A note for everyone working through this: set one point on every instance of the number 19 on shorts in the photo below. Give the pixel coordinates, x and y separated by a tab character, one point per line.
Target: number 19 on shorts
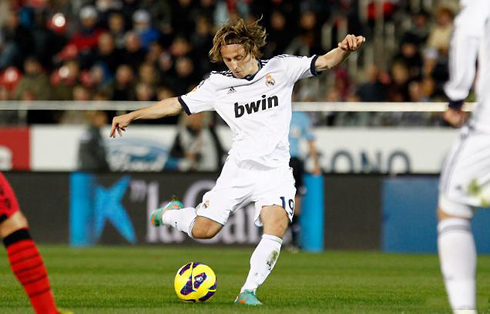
290	206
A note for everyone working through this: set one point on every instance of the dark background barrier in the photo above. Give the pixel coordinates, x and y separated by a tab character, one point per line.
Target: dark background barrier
353	212
368	212
44	198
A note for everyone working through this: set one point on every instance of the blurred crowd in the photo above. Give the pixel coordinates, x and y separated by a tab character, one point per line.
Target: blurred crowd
153	49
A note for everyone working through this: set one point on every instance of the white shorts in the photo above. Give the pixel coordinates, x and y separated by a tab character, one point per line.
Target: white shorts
243	182
465	178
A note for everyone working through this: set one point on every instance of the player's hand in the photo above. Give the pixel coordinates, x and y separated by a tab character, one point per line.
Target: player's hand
120	123
351	42
455	117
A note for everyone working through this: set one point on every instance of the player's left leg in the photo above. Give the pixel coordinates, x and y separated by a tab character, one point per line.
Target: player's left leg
27	264
275	220
457	255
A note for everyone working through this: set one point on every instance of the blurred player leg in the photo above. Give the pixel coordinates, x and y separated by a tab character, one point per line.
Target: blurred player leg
457	254
23	255
460	193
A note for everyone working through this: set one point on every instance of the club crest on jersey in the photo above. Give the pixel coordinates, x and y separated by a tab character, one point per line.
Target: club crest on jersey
256	106
269	81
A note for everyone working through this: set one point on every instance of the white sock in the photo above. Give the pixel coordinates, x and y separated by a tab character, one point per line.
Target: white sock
262	261
182	219
457	254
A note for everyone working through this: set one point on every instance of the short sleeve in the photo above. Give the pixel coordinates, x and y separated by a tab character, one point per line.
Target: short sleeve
298	67
200	99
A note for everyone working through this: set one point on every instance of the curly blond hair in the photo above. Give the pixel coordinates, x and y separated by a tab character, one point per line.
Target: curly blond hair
252	37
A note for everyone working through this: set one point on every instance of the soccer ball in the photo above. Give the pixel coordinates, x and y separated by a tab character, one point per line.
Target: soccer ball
195	282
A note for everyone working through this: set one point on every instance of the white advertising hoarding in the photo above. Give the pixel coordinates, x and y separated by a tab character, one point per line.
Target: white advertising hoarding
342	150
55	148
401	150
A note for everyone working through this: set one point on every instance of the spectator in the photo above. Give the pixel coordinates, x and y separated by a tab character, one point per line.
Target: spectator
436	54
147	74
183	15
202	42
279	34
64	80
411	56
17	42
145	92
98	78
88	35
106	53
133	53
47	43
196	146
153	55
142	26
124	83
398	89
161	14
185	77
34	82
308	42
117	29
92	155
372	90
419	29
164	92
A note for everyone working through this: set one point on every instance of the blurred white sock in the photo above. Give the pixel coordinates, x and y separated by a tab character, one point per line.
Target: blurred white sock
182	219
262	261
457	254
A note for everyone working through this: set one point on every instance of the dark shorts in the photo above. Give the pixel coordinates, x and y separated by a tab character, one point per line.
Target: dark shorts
298	173
8	201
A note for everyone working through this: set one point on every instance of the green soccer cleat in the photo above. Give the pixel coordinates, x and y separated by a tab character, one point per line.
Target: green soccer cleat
156	215
247	297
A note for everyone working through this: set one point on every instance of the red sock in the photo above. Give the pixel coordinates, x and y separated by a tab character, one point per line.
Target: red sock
28	267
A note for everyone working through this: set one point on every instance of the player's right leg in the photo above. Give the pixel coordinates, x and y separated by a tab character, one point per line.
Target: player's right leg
186	220
156	217
209	217
25	260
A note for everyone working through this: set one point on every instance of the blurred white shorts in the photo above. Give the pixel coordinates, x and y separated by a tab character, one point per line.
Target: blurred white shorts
465	178
243	182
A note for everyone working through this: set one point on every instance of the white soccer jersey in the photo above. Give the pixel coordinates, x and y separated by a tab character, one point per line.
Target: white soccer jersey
258	109
471	40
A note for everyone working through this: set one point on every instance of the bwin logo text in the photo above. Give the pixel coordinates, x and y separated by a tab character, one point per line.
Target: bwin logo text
255	106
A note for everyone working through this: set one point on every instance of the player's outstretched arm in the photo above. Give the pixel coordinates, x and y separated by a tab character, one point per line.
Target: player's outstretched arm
164	108
336	56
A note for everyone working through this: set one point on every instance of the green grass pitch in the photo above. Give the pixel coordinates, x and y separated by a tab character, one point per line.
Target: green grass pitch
140	280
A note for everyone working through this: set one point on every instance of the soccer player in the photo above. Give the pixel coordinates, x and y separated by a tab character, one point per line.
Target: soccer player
25	260
465	178
254	98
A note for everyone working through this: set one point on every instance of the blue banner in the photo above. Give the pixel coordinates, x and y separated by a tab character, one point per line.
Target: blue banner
312	214
410	220
92	206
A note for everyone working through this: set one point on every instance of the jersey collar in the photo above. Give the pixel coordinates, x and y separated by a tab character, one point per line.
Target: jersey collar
251	77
